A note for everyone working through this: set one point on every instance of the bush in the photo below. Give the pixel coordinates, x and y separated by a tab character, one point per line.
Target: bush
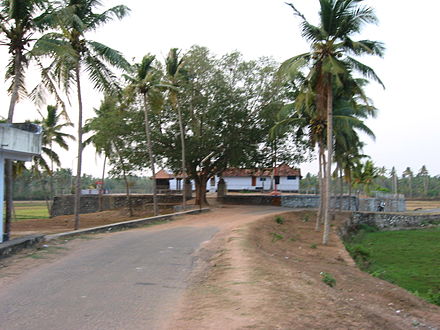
279	219
434	297
276	237
328	279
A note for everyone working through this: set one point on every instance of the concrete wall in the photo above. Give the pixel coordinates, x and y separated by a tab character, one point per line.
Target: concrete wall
63	205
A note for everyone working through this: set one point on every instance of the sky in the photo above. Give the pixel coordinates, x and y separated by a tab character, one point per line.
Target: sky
407	126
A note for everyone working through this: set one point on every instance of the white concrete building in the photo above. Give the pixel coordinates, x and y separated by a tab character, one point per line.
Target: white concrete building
17	142
282	178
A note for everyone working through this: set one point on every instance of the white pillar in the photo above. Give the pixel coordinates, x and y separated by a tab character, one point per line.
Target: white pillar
2	191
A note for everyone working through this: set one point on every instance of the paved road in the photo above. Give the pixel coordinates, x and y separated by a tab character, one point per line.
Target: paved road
126	280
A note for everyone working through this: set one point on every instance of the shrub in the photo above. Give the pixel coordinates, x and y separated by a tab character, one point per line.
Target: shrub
328	279
279	219
276	237
434	297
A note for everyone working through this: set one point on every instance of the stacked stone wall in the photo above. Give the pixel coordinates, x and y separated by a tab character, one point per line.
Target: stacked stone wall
64	205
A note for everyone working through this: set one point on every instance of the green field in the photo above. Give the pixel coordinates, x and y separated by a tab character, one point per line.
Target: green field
30	210
409	259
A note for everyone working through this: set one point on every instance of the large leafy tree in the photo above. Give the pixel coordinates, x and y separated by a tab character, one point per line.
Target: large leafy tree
222	104
74	19
330	63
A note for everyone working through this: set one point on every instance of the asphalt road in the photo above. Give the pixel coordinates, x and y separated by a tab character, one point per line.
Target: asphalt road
126	280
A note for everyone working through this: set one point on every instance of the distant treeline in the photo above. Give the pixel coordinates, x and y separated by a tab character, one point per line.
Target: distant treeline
420	185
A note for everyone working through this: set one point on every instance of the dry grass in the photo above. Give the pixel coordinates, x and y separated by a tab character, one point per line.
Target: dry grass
423	205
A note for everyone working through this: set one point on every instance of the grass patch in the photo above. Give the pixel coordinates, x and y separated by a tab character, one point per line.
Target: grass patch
30	210
407	258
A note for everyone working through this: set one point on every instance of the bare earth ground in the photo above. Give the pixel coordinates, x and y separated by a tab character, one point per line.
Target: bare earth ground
64	223
251	280
247	277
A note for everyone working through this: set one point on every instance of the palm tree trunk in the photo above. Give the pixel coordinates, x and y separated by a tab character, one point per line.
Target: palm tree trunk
320	182
9	180
151	154
326	234
80	148
51	185
182	141
349	193
100	201
341	192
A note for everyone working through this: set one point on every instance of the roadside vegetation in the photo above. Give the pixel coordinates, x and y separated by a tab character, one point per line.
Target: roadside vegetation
407	258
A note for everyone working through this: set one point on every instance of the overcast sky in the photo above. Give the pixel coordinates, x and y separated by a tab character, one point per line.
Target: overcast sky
406	129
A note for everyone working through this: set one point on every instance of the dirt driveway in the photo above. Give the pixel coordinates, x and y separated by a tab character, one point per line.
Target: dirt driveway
257	273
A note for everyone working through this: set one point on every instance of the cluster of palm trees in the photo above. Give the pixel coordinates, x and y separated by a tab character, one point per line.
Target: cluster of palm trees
330	103
62	53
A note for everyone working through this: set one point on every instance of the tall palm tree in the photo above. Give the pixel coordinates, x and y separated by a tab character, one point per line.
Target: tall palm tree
425	175
19	20
329	63
145	81
408	173
52	135
175	73
394	178
74	20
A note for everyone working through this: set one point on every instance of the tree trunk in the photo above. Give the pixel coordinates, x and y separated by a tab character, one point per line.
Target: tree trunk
51	185
80	148
201	190
349	194
182	141
127	193
9	179
326	234
101	191
151	154
341	192
319	214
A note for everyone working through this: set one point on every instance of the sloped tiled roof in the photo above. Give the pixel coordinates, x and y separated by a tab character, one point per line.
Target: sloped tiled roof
282	170
162	174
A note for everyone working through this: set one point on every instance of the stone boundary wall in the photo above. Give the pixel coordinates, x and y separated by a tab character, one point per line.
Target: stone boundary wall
349	203
63	205
394	221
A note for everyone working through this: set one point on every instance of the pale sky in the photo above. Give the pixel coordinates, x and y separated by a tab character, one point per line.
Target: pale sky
406	128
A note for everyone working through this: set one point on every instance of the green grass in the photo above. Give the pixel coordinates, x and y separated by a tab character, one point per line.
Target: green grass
409	258
30	210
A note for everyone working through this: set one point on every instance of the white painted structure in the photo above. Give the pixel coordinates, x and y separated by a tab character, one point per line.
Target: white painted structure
247	179
17	142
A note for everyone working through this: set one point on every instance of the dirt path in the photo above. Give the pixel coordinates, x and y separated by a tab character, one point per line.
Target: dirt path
264	275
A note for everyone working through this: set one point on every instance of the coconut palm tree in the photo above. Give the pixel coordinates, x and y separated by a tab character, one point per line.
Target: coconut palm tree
73	20
393	174
145	81
425	175
330	63
19	20
408	173
52	135
175	73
